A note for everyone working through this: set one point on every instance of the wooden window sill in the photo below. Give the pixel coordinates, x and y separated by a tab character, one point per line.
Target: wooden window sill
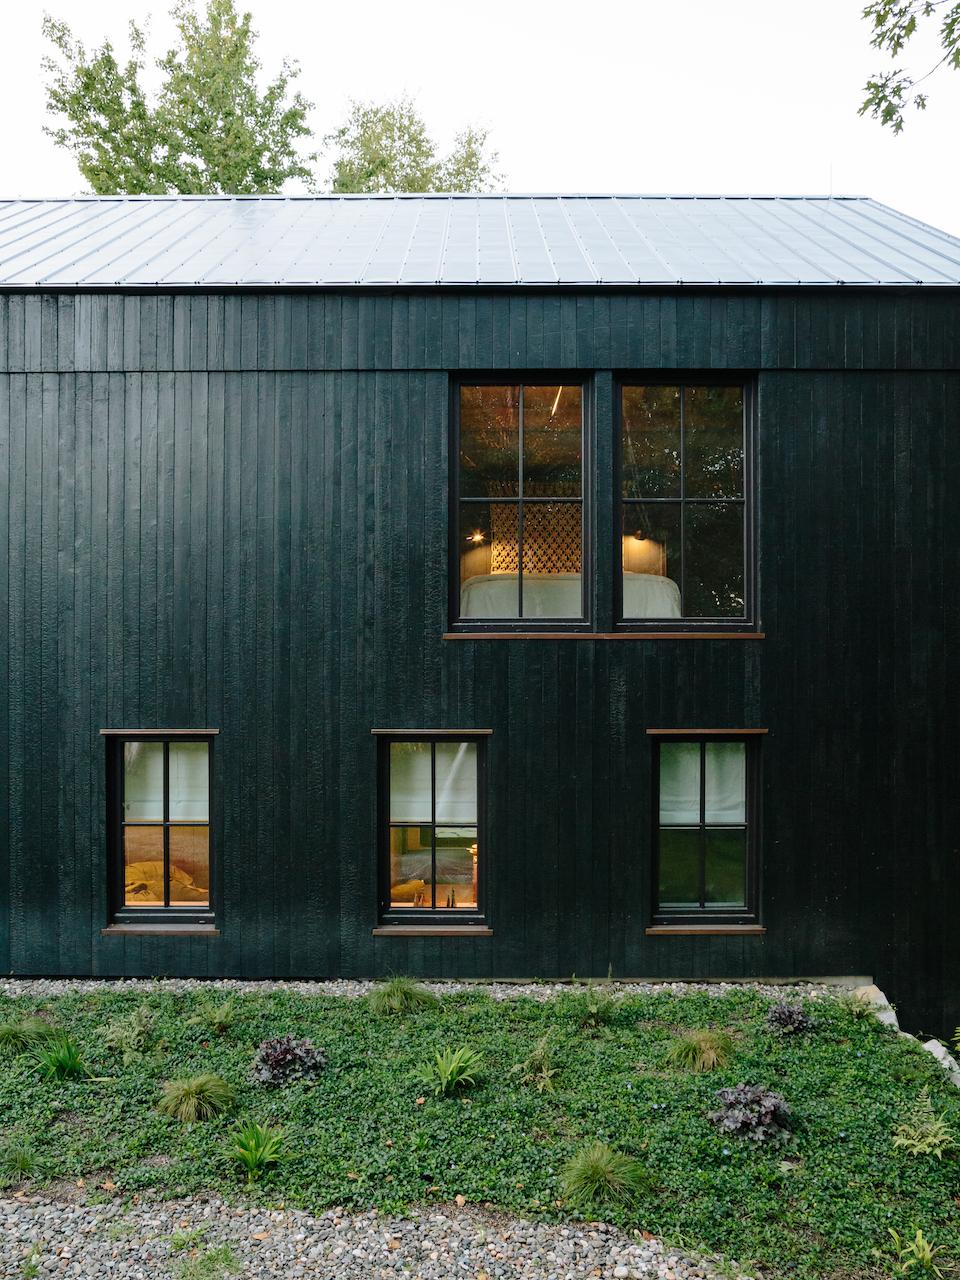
603	635
161	931
432	931
705	930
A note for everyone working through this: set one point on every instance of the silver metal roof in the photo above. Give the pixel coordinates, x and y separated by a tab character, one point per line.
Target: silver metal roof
494	240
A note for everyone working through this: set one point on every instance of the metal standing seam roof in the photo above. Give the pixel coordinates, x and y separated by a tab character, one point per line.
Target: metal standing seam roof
462	240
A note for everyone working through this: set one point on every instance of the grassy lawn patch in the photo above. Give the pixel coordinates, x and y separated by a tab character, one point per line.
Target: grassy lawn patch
359	1126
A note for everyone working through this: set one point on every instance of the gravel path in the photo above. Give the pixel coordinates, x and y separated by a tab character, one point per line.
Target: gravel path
180	1240
46	988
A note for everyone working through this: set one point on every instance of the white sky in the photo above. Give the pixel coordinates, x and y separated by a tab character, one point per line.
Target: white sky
708	96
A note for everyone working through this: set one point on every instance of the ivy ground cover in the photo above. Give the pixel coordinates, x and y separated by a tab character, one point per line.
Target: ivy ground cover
364	1130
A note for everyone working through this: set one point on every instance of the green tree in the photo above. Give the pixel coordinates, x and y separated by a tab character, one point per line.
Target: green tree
209	128
387	148
894	24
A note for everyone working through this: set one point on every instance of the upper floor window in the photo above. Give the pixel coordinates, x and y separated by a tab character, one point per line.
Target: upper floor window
432	828
160	789
519	542
684	478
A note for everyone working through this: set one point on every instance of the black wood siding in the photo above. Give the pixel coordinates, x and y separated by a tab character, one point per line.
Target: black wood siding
230	511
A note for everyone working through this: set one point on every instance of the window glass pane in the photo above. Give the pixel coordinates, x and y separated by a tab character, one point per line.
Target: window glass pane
713	565
713	448
411	798
456	867
726	862
456	781
679	868
143	781
651	442
143	865
552	442
189	866
411	862
680	782
651	560
489	560
489	442
725	782
552	553
189	781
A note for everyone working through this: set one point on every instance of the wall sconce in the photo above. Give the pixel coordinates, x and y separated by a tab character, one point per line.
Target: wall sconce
476	537
644	555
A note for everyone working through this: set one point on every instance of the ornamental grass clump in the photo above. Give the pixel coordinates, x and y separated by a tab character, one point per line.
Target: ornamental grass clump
22	1034
788	1019
924	1133
255	1147
285	1060
195	1098
598	1178
700	1050
60	1060
451	1071
18	1160
754	1112
400	996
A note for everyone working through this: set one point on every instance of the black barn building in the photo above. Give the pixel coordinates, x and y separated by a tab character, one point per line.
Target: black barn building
480	587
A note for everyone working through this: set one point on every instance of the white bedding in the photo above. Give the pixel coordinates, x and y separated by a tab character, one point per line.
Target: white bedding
558	595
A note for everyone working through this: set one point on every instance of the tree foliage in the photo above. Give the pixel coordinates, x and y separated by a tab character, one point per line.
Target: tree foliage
894	24
386	148
209	129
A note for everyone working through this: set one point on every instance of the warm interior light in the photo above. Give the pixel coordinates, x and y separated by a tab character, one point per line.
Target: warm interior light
476	536
643	554
553	411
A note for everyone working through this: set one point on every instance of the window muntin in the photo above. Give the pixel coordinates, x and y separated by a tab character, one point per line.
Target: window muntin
433	827
520	523
163	825
683	472
704	829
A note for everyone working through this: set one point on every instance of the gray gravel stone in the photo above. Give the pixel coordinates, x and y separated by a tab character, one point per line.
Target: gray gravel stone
47	988
153	1240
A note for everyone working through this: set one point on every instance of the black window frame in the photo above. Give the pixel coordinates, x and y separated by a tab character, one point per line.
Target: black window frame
749	622
429	917
706	914
521	378
120	912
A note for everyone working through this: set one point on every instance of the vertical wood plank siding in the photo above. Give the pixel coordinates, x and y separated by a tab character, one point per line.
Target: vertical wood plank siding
230	510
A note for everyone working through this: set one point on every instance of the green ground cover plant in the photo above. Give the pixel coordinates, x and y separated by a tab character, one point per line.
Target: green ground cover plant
365	1131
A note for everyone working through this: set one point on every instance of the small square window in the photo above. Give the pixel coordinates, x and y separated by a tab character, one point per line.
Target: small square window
705	829
432	828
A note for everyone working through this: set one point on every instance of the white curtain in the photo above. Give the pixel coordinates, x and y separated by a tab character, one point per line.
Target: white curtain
724	782
143	781
189	782
410	798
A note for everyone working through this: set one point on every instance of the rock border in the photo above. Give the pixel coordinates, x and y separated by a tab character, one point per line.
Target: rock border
884	1011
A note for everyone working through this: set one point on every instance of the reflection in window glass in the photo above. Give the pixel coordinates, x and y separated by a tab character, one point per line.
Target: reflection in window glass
702	843
520	530
433	857
684	511
165	816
